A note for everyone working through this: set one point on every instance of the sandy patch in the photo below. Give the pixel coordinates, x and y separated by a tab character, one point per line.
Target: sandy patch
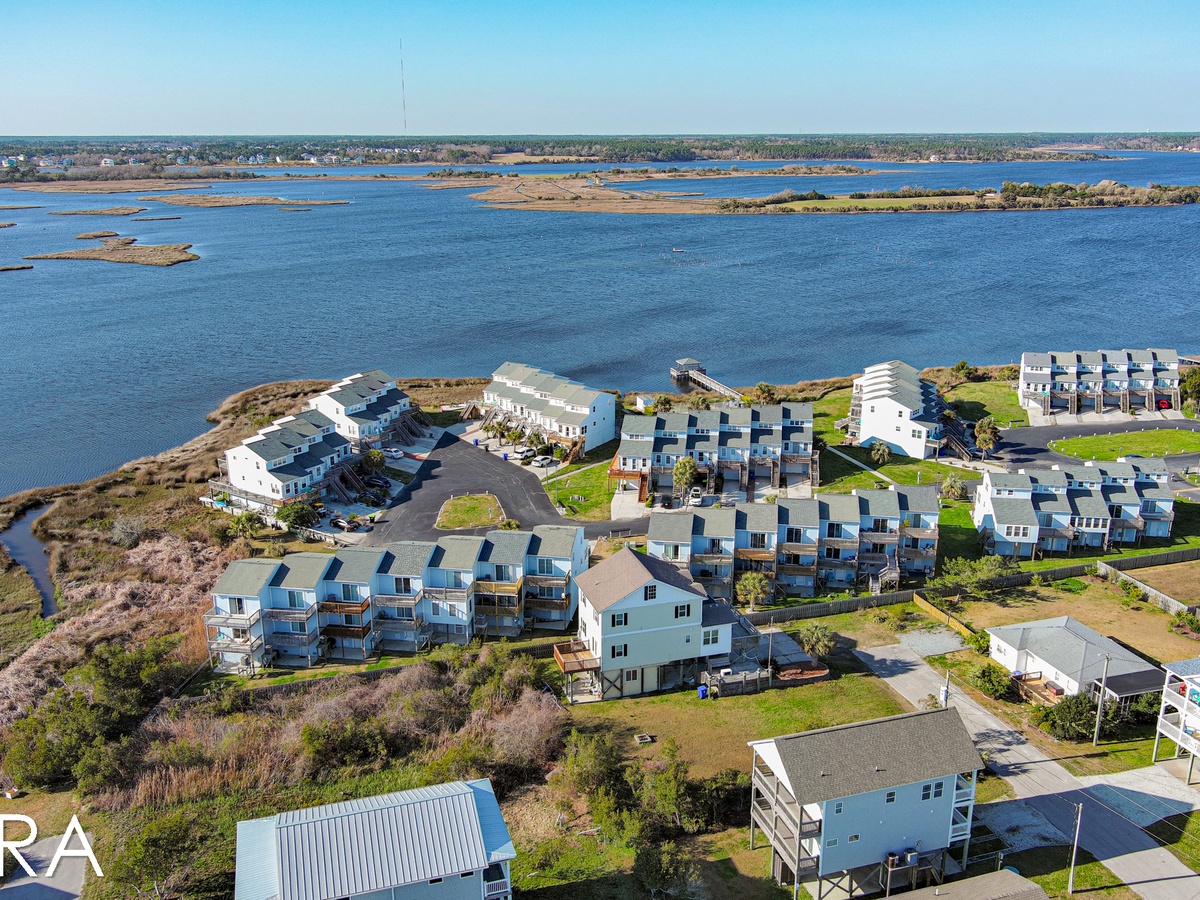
1144	795
95	235
1019	825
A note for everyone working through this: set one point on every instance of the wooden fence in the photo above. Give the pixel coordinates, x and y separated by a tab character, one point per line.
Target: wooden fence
940	615
827	608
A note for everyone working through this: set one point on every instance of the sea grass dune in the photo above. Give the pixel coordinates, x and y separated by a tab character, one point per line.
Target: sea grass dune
127	250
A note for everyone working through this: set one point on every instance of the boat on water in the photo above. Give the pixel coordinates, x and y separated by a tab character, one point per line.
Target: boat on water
677	250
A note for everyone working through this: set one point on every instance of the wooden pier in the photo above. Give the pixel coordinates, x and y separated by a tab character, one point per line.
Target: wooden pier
688	372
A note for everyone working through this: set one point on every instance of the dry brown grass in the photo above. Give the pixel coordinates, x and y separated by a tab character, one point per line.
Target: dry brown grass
1181	580
126	250
110	211
108	187
1101	606
432	393
95	235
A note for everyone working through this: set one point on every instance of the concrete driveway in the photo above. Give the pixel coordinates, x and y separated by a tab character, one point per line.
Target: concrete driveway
454	468
1131	854
67	883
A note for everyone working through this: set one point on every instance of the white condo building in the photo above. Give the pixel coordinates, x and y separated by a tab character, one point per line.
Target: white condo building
890	403
555	407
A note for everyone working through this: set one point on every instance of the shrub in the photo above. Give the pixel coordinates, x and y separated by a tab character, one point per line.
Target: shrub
1132	590
1037	581
127	531
1072	719
990	679
980	642
1184	619
590	762
298	515
332	745
509	525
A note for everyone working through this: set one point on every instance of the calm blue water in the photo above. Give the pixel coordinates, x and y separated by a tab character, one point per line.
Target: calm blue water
103	363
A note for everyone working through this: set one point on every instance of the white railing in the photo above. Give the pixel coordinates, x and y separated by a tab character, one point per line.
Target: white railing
495	888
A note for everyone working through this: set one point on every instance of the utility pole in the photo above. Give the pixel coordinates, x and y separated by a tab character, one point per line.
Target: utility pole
1100	702
1075	849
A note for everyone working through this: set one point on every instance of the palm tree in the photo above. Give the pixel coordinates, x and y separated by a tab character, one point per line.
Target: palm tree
764	392
987	434
816	639
881	453
752	588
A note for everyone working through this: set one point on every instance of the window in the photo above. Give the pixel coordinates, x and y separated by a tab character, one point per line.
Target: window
619	650
758	541
465	874
931	791
295	600
650	592
404	586
837	808
852	839
460	629
298	627
435	881
683	610
834	530
890	797
631	675
709	637
435	608
832	842
545	566
619	619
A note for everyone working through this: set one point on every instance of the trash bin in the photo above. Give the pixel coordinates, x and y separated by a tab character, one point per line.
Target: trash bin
476	442
506	456
702	691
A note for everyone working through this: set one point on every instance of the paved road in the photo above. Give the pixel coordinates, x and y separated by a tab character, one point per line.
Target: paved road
455	468
67	882
1028	446
1134	857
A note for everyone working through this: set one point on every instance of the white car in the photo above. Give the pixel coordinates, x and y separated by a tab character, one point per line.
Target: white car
393	453
544	461
695	496
524	453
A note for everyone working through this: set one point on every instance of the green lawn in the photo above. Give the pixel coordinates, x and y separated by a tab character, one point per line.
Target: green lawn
975	399
901	469
1181	835
470	511
712	734
957	537
1142	443
1050	868
827	411
592	486
602	454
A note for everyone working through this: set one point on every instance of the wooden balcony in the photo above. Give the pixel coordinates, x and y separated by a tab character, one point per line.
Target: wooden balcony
825	562
879	537
919	552
397	600
291	638
449	594
290	614
221	644
558	603
928	533
218	619
841	543
550	581
760	555
874	559
786	570
498	606
405	626
347	631
575	656
484	587
335	604
800	548
712	559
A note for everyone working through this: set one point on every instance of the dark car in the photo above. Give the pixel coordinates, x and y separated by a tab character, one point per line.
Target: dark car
371	498
343	524
377	482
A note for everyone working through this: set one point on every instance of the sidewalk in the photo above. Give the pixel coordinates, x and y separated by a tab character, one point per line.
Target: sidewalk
1133	856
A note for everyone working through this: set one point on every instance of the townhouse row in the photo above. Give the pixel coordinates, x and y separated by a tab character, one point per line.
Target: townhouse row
743	445
550	406
348	605
1095	380
868	538
293	458
1057	510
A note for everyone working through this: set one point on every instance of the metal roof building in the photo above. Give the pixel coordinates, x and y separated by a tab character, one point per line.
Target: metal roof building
379	844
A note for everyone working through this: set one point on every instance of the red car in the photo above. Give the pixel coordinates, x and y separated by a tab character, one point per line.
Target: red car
1164	404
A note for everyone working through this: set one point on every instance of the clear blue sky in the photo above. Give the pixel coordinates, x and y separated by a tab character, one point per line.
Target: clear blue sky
568	67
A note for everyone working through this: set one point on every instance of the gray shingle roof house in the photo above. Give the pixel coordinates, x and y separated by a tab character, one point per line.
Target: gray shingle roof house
446	841
1064	651
835	803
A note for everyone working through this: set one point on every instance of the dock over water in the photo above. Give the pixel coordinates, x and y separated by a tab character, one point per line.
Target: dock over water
688	371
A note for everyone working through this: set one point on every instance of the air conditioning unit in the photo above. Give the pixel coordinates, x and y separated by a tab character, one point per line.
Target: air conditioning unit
910	857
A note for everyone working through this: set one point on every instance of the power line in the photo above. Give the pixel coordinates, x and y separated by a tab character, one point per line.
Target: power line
403	97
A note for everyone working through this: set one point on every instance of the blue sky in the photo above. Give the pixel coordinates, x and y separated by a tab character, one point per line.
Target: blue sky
806	66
